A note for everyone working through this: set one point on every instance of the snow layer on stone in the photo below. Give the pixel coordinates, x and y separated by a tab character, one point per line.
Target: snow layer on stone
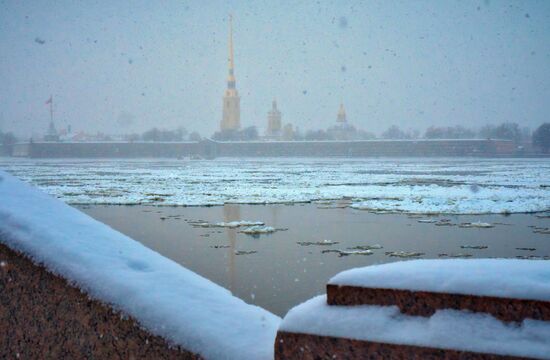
447	329
511	278
163	296
457	186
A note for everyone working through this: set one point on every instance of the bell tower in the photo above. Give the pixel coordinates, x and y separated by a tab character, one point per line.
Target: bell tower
274	125
231	115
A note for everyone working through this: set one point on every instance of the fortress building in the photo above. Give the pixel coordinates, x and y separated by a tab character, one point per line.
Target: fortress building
274	125
231	118
342	130
51	134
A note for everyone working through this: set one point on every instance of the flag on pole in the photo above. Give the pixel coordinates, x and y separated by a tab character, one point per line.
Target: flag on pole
49	100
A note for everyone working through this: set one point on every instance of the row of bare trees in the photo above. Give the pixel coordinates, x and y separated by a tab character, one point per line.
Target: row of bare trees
507	131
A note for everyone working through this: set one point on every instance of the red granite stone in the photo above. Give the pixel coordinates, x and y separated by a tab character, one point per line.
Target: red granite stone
42	316
314	347
424	303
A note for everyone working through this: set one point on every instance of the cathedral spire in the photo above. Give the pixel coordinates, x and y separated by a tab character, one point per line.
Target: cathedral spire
341	117
231	116
231	61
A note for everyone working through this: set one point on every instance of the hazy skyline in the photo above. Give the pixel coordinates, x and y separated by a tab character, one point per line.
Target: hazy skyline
122	68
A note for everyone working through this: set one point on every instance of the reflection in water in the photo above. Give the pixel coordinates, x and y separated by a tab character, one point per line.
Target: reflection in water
231	213
280	270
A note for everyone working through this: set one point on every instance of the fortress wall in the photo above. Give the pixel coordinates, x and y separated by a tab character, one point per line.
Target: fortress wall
212	149
113	149
369	148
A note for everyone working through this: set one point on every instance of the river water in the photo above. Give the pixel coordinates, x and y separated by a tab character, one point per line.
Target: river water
280	270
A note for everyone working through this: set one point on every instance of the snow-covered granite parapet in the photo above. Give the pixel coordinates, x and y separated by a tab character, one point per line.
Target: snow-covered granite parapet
164	297
506	278
446	329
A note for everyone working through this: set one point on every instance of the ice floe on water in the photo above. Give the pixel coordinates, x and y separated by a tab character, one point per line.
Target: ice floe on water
414	186
367	247
347	252
355	250
245	252
254	228
482	225
317	243
476	247
404	254
235	224
427	221
457	256
258	230
539	230
230	224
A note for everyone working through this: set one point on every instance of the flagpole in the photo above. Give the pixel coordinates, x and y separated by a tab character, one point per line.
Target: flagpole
51	108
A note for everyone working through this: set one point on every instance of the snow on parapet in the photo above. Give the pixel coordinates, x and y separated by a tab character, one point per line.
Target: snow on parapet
164	297
509	278
446	329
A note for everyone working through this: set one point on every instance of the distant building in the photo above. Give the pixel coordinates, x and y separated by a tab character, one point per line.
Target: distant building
51	134
231	117
288	132
274	124
342	130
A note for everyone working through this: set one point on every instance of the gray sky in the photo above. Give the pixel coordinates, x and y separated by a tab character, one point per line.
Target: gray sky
123	68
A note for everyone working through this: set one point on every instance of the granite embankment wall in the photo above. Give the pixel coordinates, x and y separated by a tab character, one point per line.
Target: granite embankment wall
212	149
367	148
42	316
107	149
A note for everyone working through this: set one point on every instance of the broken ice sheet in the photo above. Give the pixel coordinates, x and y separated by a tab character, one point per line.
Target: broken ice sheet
387	187
459	255
404	254
241	223
366	247
444	224
230	224
481	225
258	230
245	252
319	243
347	252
